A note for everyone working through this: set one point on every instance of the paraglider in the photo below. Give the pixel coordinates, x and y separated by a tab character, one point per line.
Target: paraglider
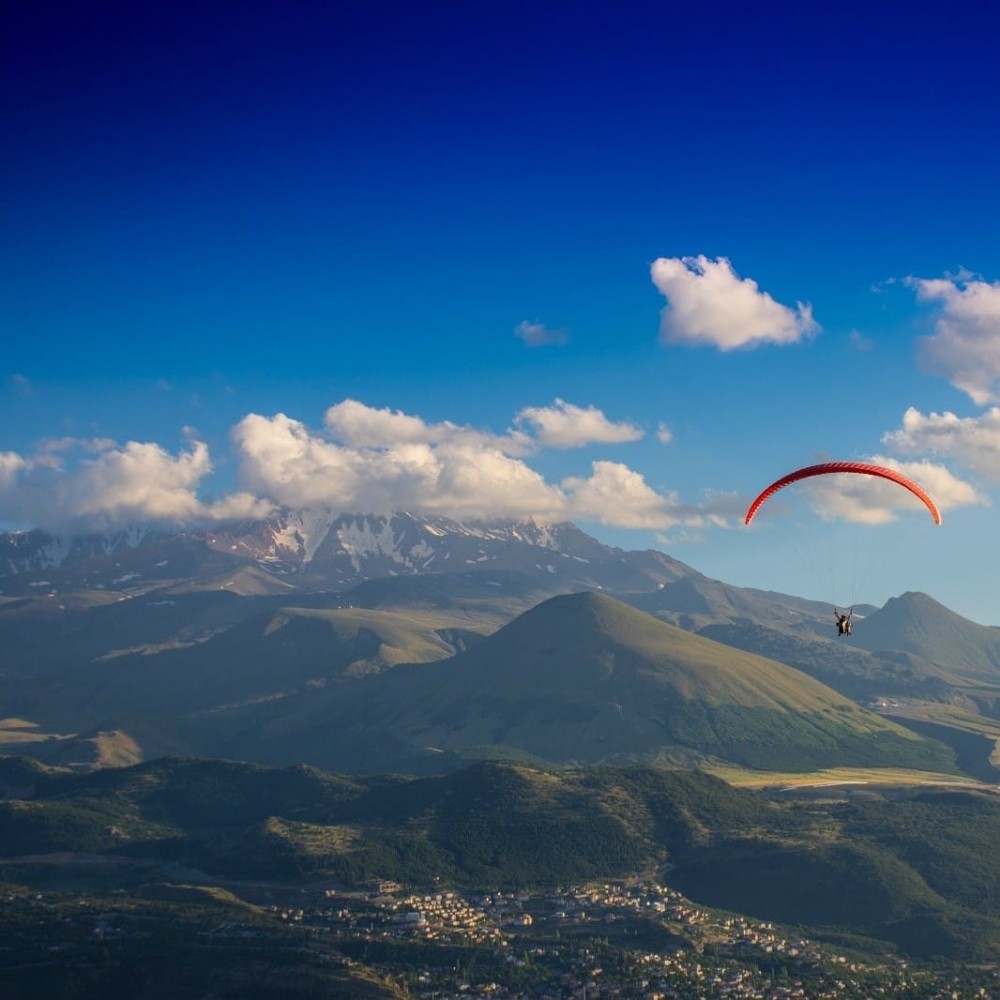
843	621
864	468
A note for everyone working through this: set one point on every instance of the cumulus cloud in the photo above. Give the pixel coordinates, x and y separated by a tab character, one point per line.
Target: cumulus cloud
282	459
366	426
664	434
870	500
563	425
615	494
362	459
361	426
96	484
381	460
539	335
965	346
972	442
709	304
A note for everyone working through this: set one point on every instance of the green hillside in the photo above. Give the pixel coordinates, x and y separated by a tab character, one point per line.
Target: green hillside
585	678
962	650
268	655
915	869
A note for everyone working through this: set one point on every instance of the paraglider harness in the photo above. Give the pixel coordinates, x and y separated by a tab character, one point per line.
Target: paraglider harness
843	621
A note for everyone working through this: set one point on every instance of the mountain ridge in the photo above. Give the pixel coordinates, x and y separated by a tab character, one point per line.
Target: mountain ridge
340	549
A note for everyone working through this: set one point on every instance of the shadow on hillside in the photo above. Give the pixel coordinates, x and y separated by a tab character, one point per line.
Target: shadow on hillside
971	749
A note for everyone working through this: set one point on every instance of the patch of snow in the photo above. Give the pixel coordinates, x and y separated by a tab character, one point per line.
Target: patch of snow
54	552
126	577
40	583
303	532
135	534
162	562
359	538
544	537
421	550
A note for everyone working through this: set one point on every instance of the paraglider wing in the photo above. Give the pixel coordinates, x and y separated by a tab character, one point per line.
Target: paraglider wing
863	468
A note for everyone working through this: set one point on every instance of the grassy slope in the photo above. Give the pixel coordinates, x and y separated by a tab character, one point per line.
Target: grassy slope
261	657
584	677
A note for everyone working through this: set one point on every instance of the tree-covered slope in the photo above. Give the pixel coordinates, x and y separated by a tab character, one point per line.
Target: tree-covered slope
917	870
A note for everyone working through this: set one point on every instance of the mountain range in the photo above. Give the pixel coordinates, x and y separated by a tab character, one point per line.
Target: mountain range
361	642
321	548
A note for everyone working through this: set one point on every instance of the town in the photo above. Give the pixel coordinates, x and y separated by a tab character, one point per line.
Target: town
624	940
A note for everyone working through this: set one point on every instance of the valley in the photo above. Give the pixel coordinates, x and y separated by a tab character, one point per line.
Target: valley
537	718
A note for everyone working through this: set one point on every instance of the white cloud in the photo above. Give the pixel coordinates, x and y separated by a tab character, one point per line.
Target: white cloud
12	466
973	442
563	425
615	494
461	475
361	426
93	445
664	434
709	304
965	346
871	500
364	459
539	335
91	485
393	461
281	459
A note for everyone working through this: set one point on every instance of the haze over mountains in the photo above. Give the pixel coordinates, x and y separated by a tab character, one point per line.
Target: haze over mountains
362	643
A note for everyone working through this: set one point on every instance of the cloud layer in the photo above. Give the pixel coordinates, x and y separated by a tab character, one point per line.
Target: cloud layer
380	460
965	346
76	483
710	305
363	459
973	442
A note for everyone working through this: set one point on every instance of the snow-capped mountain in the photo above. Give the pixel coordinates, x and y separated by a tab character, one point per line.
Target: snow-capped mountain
316	548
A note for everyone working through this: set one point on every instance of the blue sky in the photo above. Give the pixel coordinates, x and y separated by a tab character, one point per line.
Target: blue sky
625	264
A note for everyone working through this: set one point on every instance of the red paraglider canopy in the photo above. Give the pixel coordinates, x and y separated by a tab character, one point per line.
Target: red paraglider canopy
858	467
